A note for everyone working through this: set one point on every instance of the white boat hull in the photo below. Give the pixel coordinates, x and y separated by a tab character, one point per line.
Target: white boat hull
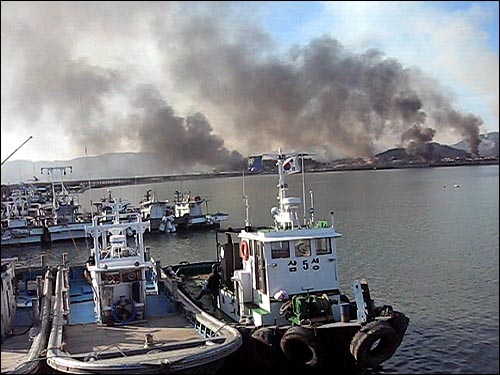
20	236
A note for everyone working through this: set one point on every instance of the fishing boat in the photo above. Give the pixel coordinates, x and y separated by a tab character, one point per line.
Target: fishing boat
26	308
280	287
153	210
188	212
112	315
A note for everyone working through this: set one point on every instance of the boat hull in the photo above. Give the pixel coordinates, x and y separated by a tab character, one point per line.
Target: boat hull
186	340
34	235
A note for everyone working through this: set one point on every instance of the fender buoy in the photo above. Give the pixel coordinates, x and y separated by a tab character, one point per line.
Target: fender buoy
374	343
123	312
244	250
299	344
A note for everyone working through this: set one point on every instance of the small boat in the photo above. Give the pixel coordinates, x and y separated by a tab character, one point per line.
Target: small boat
188	212
113	315
26	308
280	287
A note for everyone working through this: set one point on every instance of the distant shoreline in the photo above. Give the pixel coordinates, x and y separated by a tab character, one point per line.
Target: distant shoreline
79	186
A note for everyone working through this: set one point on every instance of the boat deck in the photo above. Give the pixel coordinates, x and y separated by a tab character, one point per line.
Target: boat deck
82	339
193	286
84	336
15	349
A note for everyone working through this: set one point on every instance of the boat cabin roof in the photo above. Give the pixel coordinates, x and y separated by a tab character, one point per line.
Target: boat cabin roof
272	235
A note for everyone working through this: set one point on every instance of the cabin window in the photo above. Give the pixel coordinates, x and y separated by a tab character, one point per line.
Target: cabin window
323	246
280	249
303	248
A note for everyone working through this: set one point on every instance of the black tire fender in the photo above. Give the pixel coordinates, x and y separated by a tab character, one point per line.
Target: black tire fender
264	345
399	322
374	343
300	344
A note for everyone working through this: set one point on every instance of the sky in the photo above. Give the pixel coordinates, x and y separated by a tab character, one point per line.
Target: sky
209	83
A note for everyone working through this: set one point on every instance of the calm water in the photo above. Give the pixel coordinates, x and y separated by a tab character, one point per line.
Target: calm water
427	248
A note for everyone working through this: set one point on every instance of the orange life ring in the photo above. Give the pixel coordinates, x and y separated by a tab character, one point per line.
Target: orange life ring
244	250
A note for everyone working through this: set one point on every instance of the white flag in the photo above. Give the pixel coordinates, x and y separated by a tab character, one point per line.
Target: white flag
291	165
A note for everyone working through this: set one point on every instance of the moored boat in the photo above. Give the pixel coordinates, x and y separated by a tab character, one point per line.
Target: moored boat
188	213
26	308
153	210
280	287
113	315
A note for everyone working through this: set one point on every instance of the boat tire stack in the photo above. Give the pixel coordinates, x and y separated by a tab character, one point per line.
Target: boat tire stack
300	344
374	343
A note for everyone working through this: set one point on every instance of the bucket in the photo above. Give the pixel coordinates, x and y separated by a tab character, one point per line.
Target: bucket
344	312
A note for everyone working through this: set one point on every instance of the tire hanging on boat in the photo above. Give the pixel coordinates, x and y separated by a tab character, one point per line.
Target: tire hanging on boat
399	322
299	344
123	311
265	342
374	343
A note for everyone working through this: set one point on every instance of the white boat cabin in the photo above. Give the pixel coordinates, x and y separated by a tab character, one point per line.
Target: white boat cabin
270	266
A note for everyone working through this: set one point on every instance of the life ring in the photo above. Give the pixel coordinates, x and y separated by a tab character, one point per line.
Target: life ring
299	344
374	343
244	250
123	313
131	276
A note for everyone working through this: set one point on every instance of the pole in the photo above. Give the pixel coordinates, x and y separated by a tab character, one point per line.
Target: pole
304	191
8	157
245	198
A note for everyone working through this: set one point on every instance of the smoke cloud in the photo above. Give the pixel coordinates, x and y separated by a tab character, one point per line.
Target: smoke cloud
198	88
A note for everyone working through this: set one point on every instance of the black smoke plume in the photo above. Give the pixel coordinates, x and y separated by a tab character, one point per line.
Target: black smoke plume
246	94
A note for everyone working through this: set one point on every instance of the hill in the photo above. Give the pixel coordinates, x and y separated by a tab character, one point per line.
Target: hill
130	164
487	148
426	153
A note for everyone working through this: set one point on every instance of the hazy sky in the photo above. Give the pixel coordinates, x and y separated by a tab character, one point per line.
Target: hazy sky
210	82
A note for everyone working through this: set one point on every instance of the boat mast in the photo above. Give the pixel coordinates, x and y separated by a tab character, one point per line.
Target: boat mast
282	182
64	192
245	199
304	191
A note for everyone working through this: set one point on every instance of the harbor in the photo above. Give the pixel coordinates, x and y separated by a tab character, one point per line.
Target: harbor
436	247
250	187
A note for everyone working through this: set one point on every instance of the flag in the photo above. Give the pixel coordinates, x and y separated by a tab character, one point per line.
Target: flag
254	164
291	165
